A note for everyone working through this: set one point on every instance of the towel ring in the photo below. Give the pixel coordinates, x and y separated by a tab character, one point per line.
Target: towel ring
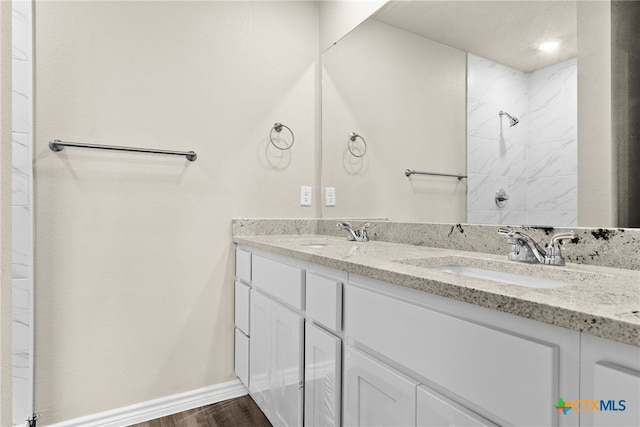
278	128
352	138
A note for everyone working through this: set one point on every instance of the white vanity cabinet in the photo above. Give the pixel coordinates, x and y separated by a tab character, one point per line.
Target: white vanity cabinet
609	375
321	347
490	366
293	337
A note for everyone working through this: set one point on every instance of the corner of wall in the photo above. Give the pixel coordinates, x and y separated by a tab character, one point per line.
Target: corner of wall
337	18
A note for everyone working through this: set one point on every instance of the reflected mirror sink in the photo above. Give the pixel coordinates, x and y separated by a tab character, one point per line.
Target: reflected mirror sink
499	276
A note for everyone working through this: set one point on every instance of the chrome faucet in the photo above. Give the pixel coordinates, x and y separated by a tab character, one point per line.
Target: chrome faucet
525	249
354	234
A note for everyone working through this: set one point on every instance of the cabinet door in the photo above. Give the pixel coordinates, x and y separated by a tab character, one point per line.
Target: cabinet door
376	394
322	382
242	298
241	359
259	351
435	410
610	375
286	366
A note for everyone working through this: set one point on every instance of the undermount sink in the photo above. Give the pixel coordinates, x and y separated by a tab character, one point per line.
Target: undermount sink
315	245
520	274
499	276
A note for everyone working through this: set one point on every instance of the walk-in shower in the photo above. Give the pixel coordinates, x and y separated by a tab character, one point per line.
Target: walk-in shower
512	120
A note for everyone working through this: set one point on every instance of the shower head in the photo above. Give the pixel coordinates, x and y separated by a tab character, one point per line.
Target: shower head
512	120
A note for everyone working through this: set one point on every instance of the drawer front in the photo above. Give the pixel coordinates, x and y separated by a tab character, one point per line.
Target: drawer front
491	368
243	265
242	293
324	300
435	410
241	360
281	281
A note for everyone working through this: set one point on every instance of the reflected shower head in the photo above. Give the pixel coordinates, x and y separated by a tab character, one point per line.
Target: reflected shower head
512	120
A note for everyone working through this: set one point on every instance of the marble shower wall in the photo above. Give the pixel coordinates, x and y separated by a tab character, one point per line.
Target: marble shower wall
535	162
22	211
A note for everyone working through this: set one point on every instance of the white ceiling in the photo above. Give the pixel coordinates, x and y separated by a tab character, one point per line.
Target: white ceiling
507	32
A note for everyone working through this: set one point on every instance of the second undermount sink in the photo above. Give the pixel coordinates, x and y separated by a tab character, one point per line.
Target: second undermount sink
502	277
509	272
315	245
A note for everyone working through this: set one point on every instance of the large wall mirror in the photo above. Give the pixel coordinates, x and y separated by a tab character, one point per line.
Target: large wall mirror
465	88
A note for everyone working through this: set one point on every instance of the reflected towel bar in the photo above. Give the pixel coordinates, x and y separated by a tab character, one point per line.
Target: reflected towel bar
410	172
57	145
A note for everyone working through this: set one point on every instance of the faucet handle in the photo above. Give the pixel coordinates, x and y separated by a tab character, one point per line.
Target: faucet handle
554	254
562	236
505	232
523	247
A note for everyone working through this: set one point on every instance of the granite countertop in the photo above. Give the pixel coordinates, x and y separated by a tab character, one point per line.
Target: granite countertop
600	301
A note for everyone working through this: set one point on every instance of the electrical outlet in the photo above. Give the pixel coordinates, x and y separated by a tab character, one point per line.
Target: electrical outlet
330	196
305	196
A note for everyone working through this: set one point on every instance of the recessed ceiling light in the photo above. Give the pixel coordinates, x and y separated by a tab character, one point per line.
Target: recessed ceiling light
549	46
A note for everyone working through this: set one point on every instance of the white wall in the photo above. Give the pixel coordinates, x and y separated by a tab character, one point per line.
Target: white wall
406	96
134	261
535	161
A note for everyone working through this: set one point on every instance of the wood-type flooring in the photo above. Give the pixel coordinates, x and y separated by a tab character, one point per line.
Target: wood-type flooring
238	412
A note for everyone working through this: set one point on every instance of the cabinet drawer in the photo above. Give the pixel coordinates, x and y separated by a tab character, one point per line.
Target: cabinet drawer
282	281
483	365
324	300
241	360
242	292
243	265
435	410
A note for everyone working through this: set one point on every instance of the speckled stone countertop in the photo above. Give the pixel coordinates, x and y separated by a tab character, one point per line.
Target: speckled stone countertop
597	300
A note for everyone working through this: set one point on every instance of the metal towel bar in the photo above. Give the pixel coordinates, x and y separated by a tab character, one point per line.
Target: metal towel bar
410	172
57	145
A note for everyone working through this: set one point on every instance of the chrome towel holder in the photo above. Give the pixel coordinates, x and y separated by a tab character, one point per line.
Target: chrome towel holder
410	172
352	139
58	145
278	128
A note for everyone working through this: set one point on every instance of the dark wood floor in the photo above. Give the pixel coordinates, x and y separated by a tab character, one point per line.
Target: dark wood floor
241	411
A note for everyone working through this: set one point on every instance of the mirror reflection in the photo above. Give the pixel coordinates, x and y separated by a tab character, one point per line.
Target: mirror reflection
455	88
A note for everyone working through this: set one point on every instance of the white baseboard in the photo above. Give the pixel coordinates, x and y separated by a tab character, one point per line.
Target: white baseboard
161	407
